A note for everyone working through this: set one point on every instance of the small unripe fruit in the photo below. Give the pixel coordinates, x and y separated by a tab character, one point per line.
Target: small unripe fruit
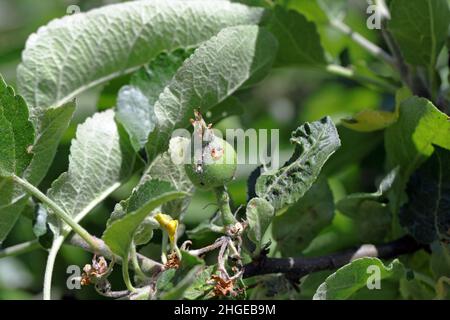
218	166
214	160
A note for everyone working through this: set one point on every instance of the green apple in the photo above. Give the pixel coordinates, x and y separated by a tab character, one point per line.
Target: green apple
216	167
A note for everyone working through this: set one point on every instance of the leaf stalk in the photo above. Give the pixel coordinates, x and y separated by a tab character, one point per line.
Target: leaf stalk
77	228
19	249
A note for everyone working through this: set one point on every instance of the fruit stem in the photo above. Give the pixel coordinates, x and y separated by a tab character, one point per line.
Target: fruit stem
126	274
223	200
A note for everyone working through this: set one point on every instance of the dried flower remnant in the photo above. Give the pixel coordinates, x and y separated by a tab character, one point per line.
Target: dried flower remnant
214	160
225	288
96	272
173	261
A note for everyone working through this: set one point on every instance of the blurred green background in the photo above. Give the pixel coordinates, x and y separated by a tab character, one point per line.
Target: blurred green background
284	100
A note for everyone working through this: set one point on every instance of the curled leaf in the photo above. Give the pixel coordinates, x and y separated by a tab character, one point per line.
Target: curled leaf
370	120
314	143
169	225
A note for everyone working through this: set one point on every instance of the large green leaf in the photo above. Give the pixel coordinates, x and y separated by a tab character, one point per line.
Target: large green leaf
120	233
54	123
16	140
100	159
16	132
12	198
299	42
427	214
135	101
408	142
354	276
314	143
259	216
301	223
77	52
420	28
214	71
